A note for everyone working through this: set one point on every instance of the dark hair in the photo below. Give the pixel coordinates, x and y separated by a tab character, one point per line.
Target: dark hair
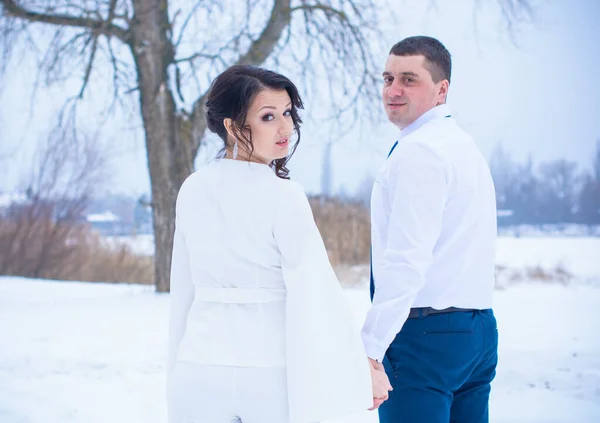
231	95
438	61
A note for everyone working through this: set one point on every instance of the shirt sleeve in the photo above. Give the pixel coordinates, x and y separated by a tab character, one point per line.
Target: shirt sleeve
417	191
181	296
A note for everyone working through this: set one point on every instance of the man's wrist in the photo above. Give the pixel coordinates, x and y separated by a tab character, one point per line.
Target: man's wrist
375	364
373	348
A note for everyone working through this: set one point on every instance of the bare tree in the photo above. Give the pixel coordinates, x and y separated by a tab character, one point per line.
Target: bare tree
38	233
596	163
589	196
504	172
166	52
560	185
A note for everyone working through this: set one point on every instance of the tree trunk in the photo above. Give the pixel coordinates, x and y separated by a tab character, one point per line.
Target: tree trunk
169	156
172	138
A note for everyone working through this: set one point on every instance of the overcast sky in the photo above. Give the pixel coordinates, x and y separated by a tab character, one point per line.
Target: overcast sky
540	97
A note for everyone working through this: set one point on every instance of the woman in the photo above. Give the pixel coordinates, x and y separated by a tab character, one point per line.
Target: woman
259	330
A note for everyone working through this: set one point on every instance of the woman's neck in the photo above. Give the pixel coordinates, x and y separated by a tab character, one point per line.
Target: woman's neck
245	156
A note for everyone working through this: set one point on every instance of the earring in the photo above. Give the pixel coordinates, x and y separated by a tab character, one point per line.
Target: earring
235	149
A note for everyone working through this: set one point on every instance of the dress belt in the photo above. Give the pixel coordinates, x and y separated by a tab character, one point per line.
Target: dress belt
239	295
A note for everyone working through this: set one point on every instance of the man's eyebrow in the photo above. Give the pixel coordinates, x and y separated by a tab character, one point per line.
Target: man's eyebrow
408	73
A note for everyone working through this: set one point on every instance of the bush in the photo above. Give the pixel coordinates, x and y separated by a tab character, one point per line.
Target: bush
345	228
37	246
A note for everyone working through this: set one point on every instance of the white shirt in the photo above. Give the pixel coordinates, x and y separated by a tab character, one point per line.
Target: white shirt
433	228
252	286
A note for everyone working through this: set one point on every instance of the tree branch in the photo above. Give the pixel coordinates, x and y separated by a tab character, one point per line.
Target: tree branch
88	70
342	42
112	10
258	51
99	26
185	24
263	46
198	56
329	11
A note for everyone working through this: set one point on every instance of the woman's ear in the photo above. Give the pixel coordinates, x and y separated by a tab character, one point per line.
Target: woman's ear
228	123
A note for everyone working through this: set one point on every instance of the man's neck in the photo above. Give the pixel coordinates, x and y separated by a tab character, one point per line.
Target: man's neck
435	112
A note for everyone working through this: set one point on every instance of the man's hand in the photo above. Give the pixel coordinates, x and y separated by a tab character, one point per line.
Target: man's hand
381	384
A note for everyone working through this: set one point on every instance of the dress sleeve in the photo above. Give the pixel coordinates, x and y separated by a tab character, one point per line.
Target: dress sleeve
181	296
327	367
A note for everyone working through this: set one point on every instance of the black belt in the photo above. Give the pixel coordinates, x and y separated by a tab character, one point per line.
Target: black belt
418	312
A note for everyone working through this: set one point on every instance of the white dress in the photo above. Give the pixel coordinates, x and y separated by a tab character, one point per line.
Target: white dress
252	287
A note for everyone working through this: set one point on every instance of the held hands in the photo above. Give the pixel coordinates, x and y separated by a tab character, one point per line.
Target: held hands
381	384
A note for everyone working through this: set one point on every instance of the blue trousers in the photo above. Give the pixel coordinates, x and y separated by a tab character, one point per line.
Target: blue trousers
441	367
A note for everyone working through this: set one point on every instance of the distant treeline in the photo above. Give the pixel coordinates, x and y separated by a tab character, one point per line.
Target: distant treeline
552	192
557	191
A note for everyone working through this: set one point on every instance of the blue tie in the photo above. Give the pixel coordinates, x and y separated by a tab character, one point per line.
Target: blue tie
392	150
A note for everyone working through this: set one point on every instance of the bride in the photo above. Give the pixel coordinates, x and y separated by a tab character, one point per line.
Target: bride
259	330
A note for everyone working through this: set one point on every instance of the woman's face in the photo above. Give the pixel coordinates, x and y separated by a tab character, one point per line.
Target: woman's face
270	121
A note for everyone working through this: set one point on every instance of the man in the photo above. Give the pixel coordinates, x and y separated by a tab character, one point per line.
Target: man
433	217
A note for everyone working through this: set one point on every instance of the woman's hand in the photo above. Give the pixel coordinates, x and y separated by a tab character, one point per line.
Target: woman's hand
381	383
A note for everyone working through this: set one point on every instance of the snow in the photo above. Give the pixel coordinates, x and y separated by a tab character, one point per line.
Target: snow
75	352
106	216
6	199
545	230
579	256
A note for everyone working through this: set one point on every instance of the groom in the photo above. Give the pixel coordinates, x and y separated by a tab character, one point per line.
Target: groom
433	217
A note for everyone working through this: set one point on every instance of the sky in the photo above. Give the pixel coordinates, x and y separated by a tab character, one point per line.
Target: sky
537	95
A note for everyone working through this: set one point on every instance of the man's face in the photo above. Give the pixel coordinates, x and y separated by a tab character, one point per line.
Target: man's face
409	90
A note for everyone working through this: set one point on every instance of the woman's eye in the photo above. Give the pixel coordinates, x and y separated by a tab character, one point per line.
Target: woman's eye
287	113
268	117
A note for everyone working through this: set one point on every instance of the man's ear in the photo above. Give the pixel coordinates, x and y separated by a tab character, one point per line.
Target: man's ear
443	93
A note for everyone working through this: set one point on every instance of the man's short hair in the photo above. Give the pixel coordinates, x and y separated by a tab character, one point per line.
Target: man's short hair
437	57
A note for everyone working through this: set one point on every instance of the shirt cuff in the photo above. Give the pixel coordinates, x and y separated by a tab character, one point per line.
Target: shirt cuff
374	349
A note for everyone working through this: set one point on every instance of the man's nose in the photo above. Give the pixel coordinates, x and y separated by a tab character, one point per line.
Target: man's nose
395	90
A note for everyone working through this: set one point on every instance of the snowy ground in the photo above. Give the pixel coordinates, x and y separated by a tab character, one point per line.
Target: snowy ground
94	353
579	256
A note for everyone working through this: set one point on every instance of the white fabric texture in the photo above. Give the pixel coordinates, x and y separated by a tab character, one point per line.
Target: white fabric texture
252	286
433	228
226	394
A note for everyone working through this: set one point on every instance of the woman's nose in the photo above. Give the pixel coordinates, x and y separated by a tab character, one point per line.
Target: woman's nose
285	129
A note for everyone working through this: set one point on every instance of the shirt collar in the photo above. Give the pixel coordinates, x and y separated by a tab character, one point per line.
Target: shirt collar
440	111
